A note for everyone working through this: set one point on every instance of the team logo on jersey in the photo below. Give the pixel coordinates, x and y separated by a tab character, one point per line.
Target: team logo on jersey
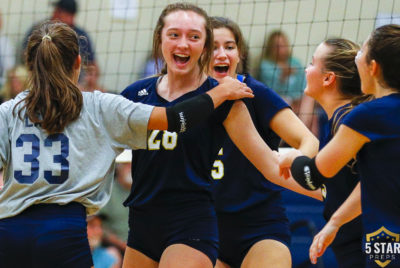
143	92
382	246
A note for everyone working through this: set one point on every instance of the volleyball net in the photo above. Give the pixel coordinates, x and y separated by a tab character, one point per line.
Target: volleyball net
121	30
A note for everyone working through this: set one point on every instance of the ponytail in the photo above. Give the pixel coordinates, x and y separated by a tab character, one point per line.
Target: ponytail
54	100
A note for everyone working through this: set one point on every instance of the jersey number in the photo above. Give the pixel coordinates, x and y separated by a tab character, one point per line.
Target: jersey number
168	140
217	172
33	158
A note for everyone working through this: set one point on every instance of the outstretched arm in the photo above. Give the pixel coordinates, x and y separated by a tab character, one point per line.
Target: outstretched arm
290	128
190	112
312	173
243	133
349	210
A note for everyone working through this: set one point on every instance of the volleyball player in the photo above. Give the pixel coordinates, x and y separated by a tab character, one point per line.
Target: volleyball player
172	218
333	81
253	226
58	147
370	132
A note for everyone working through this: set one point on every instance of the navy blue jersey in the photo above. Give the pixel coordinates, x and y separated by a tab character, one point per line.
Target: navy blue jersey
340	188
239	185
379	162
175	168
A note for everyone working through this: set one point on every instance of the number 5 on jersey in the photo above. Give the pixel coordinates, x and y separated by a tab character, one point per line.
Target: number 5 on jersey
217	172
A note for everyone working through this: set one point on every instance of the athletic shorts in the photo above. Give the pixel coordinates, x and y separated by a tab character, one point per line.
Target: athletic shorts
238	232
350	254
47	235
151	231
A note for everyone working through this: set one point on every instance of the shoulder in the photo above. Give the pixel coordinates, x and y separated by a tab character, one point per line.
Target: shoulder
7	108
140	88
378	109
254	84
359	113
377	118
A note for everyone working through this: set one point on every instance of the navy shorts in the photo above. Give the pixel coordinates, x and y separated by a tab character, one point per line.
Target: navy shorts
152	230
47	235
238	232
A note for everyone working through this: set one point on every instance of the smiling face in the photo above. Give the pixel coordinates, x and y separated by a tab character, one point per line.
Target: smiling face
182	41
226	54
314	72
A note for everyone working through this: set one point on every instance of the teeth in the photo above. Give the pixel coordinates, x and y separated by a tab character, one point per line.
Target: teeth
221	65
181	55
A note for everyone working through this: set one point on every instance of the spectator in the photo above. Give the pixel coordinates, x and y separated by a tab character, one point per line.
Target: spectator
279	70
102	257
15	83
91	80
65	11
7	55
285	74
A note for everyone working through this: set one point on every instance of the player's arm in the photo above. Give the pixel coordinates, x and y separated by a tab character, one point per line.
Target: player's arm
292	130
185	114
349	210
311	173
243	133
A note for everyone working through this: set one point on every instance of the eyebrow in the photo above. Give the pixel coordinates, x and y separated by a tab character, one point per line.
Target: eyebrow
178	29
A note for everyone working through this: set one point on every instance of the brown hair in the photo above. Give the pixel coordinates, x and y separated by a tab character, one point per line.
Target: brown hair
221	22
269	52
383	47
340	60
206	57
53	100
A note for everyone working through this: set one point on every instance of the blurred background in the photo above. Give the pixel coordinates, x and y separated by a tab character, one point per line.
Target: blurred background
116	53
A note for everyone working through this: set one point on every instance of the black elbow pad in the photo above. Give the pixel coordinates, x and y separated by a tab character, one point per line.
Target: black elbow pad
189	113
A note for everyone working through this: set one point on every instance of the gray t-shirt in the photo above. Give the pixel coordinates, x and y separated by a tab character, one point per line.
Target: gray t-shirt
75	165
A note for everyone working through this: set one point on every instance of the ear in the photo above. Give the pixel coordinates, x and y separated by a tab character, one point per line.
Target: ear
329	79
374	68
78	61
